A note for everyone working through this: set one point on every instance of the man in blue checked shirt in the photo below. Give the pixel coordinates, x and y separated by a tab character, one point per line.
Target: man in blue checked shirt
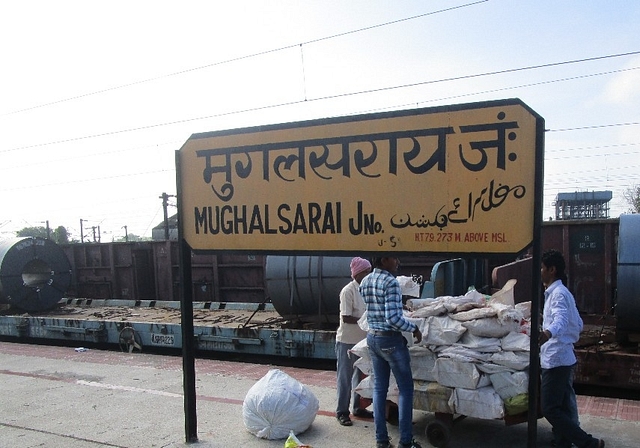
388	348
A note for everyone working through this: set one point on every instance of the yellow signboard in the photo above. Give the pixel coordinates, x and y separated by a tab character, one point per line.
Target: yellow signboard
452	179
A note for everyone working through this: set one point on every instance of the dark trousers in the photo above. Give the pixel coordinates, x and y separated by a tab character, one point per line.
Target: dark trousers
560	409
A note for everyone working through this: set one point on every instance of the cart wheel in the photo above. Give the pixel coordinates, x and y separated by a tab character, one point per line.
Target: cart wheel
438	433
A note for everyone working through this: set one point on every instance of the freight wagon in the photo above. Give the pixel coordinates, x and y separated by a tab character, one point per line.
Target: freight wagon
125	293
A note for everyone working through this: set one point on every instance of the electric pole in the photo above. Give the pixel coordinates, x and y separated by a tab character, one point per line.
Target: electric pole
165	203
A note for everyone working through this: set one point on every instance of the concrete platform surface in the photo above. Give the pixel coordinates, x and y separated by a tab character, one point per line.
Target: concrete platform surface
60	397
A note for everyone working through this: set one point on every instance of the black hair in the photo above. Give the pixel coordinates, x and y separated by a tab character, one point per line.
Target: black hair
555	258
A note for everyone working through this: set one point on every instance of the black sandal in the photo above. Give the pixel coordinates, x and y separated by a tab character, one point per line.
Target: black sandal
344	420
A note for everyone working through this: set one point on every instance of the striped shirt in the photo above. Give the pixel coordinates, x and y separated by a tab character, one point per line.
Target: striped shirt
383	297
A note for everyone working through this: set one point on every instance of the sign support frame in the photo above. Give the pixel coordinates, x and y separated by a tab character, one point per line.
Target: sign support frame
186	318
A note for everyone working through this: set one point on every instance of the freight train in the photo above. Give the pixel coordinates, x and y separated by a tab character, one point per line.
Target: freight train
126	293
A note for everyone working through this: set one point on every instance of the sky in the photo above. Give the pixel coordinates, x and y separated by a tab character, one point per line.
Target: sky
95	97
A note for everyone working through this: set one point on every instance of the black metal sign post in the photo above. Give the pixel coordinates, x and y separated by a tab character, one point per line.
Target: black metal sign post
186	315
534	354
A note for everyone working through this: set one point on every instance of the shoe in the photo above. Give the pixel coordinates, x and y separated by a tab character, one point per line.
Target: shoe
412	444
363	413
386	444
344	420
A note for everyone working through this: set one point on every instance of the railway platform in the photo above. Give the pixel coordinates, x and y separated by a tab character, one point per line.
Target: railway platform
55	396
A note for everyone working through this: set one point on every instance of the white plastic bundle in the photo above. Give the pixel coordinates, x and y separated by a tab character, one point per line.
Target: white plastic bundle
512	360
423	361
490	327
278	404
441	331
516	342
480	403
509	384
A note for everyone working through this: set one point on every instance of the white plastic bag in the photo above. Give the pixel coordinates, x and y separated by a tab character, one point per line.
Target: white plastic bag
490	327
509	385
479	403
362	322
441	331
408	286
278	404
516	342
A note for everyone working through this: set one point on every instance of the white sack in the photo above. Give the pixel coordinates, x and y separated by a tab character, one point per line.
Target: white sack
490	327
505	295
489	368
516	342
485	345
361	349
482	403
508	314
432	397
278	404
423	362
472	299
476	313
464	354
509	385
434	308
484	381
513	360
365	389
408	286
416	304
525	309
362	322
453	373
364	365
441	331
419	322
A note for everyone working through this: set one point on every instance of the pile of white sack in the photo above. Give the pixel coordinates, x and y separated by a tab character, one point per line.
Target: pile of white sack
473	358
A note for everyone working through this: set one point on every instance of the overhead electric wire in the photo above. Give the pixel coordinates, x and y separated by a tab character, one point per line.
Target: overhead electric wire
249	56
501	89
598	126
327	97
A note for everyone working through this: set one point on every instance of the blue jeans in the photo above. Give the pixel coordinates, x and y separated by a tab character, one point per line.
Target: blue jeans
348	378
390	354
560	408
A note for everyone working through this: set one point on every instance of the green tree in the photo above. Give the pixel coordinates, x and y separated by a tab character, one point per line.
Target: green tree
60	234
632	196
132	237
38	232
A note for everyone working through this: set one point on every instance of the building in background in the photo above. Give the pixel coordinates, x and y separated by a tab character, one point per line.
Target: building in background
583	205
170	227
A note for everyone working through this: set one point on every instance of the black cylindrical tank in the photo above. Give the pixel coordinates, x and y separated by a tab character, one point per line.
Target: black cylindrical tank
628	296
306	285
34	273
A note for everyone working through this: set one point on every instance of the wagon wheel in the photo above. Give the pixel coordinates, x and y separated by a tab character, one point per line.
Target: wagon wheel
129	340
438	433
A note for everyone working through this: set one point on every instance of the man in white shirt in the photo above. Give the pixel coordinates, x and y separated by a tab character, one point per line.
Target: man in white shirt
349	334
561	327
